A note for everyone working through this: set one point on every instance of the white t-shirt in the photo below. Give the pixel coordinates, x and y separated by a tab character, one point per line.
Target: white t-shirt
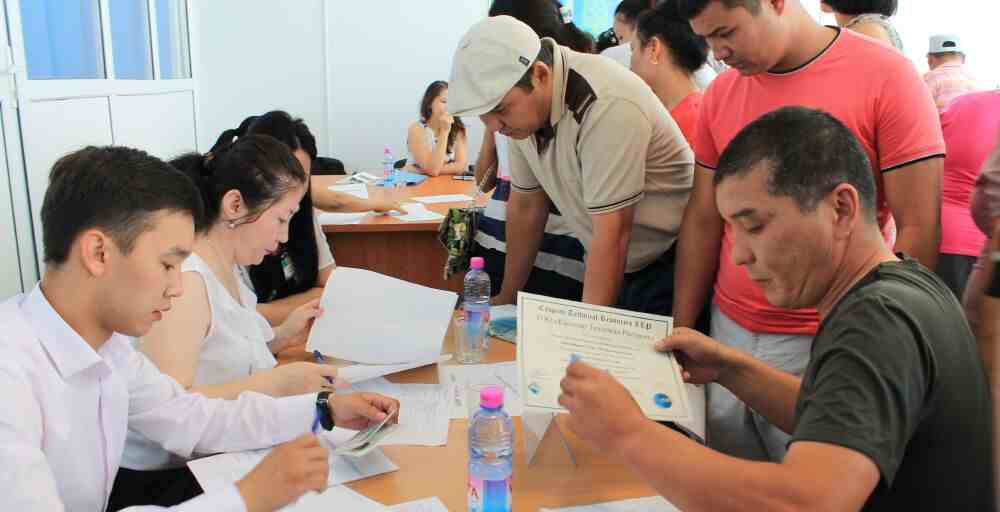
235	347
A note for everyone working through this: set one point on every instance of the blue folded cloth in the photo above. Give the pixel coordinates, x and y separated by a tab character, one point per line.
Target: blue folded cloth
503	323
412	178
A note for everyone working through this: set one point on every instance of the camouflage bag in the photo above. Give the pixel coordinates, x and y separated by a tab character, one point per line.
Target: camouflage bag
457	233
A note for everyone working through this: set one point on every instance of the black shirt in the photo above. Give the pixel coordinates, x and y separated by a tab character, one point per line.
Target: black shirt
895	375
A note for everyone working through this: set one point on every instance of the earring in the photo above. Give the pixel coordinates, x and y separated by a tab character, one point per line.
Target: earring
232	225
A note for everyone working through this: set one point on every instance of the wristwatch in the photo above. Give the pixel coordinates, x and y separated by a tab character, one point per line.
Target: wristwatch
323	410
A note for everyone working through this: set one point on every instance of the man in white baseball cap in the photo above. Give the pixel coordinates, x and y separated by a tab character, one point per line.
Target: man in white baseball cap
592	140
947	78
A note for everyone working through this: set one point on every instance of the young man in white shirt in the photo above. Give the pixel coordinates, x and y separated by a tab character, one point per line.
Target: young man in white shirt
117	223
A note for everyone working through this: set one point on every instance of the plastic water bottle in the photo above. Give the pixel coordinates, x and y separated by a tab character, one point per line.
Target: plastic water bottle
491	450
388	164
476	300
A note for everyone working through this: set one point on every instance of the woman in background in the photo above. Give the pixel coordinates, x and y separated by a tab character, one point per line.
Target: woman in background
868	17
437	142
297	272
666	54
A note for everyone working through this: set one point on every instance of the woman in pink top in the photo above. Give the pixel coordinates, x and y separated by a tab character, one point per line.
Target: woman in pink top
970	125
666	53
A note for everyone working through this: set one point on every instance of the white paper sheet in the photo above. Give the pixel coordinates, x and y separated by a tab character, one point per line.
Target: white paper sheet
355	189
446	198
459	377
337	497
651	504
551	332
375	319
333	218
417	212
221	470
424	412
363	372
425	505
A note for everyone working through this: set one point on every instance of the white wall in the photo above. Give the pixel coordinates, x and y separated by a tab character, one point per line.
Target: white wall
259	55
381	66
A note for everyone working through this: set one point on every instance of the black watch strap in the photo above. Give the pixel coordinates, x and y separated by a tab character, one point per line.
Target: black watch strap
323	410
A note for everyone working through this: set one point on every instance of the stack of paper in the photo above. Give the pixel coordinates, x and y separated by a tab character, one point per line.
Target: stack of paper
424	505
651	504
416	212
218	471
337	497
424	412
362	372
355	189
460	378
374	319
447	198
332	218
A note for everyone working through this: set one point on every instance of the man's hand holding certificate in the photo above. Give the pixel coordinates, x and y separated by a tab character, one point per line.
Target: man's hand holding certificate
552	333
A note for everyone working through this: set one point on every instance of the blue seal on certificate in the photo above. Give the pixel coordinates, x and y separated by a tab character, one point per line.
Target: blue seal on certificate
662	400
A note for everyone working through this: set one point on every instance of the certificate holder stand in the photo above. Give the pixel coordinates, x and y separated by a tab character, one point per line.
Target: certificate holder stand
535	424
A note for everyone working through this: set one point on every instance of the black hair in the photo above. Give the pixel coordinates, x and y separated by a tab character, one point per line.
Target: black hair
631	9
689	50
268	277
114	189
544	18
858	7
260	167
606	39
689	9
431	94
546	56
807	152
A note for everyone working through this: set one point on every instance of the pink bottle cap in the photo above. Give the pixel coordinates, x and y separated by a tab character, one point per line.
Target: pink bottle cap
491	397
477	263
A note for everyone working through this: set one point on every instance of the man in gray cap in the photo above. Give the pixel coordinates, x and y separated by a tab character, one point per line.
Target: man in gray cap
592	140
947	78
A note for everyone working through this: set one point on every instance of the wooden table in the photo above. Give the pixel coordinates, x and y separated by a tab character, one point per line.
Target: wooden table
550	481
406	250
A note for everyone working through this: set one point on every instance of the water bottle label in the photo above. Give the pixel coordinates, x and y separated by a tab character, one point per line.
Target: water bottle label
489	495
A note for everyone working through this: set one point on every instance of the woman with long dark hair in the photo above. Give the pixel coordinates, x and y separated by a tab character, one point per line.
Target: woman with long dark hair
437	141
213	341
297	272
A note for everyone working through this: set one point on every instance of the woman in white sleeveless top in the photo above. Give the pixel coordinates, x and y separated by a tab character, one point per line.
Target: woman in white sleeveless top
436	143
213	341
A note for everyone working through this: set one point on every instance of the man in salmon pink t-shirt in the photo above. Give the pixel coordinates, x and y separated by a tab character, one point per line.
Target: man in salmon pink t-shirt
779	56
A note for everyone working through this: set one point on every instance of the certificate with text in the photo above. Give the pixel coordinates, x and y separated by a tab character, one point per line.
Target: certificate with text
551	331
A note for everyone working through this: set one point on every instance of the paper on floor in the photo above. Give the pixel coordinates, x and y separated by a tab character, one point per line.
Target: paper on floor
375	319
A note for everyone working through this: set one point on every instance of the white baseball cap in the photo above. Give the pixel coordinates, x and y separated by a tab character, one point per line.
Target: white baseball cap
944	43
492	56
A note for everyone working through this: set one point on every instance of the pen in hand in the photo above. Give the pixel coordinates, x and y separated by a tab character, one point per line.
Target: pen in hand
321	360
